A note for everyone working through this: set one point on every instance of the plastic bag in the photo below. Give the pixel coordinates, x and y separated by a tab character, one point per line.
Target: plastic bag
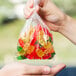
35	40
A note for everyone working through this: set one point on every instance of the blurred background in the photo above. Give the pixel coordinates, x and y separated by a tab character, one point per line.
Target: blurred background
12	21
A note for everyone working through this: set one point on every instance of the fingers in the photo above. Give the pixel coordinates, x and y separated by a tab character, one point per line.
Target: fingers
57	68
37	70
29	9
41	70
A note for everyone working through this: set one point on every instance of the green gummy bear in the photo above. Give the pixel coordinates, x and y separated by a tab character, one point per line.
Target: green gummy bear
21	57
19	48
50	40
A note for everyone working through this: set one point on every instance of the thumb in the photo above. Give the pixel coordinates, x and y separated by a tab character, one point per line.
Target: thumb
57	68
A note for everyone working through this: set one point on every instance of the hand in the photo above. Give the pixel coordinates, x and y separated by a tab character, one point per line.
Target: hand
22	69
50	14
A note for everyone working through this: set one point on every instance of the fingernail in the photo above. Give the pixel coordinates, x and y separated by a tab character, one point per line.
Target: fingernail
46	70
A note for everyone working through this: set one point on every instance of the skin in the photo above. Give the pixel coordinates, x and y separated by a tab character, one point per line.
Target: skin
53	17
22	69
57	21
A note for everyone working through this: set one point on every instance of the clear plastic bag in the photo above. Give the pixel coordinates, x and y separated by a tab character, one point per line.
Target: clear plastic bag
35	40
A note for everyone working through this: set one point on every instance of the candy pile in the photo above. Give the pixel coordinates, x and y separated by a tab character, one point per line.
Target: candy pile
37	43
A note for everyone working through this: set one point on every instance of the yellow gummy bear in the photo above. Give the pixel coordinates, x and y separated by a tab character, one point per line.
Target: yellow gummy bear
48	45
26	46
40	53
41	33
29	34
30	49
